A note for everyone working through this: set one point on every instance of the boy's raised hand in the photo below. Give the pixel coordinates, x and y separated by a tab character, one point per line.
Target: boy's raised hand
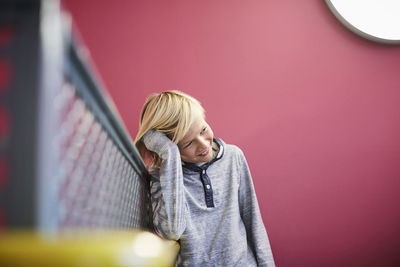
156	141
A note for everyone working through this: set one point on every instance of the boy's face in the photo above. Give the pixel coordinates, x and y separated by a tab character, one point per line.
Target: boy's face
196	145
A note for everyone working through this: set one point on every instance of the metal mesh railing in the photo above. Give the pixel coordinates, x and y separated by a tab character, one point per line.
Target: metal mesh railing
66	160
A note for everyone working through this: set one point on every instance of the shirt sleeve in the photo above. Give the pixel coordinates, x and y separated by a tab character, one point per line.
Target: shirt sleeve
167	194
257	237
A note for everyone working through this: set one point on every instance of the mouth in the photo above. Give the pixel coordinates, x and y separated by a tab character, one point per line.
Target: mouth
205	152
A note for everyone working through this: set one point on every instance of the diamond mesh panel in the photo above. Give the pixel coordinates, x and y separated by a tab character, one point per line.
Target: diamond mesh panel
96	185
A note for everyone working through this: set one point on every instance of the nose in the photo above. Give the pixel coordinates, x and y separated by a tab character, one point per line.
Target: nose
203	143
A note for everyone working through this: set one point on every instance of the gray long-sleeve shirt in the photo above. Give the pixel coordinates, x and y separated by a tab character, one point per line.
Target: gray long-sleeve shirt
231	233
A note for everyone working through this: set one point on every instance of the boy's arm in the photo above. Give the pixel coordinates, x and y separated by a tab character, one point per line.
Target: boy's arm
167	191
257	236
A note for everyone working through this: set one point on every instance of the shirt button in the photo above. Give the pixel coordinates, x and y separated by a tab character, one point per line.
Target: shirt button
207	186
204	171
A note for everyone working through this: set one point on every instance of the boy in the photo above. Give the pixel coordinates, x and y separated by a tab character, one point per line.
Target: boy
201	188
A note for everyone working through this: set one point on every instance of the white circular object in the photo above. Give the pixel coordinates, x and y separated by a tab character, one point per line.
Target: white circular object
377	20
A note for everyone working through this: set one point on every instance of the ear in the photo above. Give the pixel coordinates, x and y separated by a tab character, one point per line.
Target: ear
148	158
146	155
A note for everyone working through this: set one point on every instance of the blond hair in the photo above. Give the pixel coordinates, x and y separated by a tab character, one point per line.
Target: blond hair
170	112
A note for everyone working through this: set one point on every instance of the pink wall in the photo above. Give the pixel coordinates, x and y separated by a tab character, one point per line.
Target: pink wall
314	107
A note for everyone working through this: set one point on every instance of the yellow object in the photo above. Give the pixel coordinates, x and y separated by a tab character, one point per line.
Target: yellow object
86	248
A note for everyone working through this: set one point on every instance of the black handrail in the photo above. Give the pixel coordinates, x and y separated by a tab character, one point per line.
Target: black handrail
96	99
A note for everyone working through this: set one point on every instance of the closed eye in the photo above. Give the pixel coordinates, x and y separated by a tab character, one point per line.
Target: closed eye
188	144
